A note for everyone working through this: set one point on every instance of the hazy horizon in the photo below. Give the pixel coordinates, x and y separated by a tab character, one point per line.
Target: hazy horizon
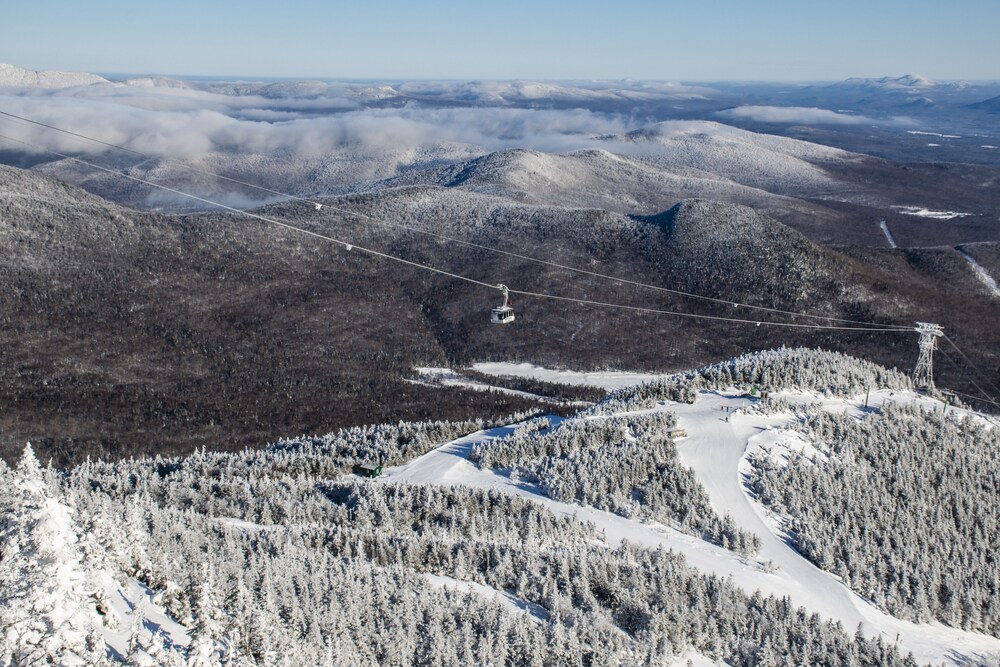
638	39
255	78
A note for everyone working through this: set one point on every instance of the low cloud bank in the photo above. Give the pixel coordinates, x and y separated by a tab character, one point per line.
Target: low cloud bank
804	116
188	124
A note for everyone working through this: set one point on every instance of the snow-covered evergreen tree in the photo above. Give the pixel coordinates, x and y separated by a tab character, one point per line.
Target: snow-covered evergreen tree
47	601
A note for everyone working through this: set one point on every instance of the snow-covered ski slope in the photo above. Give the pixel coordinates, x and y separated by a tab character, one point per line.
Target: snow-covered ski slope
446	377
715	449
982	274
888	234
605	379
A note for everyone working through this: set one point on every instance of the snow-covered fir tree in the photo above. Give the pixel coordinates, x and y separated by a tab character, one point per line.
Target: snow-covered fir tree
48	610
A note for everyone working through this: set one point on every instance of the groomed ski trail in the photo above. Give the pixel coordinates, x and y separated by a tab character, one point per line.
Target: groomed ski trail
982	274
888	235
714	450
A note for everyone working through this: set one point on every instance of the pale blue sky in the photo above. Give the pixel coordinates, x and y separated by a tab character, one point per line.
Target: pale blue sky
706	40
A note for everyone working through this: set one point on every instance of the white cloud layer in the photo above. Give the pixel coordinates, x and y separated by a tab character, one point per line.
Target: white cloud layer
801	115
187	124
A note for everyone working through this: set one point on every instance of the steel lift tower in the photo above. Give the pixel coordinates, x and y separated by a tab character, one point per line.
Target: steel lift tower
923	374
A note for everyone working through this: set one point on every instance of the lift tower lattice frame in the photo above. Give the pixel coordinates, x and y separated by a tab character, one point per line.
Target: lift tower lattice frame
923	374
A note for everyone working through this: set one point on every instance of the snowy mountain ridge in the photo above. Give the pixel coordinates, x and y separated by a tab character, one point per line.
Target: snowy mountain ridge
152	280
13	76
906	83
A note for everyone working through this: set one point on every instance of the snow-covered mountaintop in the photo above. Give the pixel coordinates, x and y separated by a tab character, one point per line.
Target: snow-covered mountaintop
141	562
301	90
517	91
593	178
649	170
674	133
905	83
721	428
11	75
758	160
157	82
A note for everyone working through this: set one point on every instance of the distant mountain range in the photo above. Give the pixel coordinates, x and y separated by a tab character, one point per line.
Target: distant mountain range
132	331
166	327
991	105
17	76
907	83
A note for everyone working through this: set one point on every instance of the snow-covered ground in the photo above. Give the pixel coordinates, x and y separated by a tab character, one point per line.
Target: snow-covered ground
607	379
137	598
922	212
715	449
514	603
450	378
888	235
691	658
935	134
981	273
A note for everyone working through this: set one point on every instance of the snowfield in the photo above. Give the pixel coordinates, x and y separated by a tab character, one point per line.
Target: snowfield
605	379
888	234
136	605
982	274
446	377
922	212
721	432
512	602
935	134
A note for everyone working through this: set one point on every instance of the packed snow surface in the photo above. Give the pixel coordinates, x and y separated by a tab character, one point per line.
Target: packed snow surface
511	601
448	377
935	134
922	212
719	433
28	78
984	277
888	235
606	379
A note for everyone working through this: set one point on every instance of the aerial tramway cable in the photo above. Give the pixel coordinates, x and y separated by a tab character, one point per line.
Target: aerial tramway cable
147	156
974	397
345	244
971	365
506	317
319	205
987	397
540	295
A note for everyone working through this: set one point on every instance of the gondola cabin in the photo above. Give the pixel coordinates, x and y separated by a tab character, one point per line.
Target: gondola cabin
675	433
369	470
503	314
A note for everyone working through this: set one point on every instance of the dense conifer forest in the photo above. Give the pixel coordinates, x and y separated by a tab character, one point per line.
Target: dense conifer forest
283	556
627	465
269	563
903	505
